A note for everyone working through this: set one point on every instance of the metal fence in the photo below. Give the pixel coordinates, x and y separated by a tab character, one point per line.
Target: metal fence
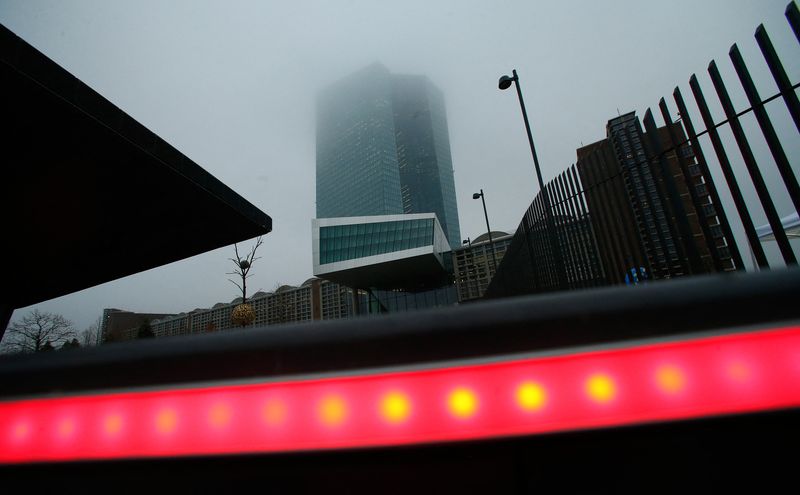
642	204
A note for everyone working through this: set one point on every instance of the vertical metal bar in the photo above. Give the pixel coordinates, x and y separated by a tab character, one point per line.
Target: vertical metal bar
561	234
578	265
684	240
489	232
793	16
526	232
581	267
544	234
525	225
566	224
595	201
752	166
585	232
558	230
779	74
572	211
591	238
764	122
580	215
544	223
551	227
614	231
702	220
730	178
709	181
541	254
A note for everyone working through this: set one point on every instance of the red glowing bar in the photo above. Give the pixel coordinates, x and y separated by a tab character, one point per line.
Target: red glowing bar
735	373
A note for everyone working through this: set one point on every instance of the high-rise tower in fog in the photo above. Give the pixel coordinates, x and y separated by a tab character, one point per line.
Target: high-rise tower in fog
383	148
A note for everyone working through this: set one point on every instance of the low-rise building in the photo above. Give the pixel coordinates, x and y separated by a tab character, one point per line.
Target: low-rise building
118	324
473	264
315	299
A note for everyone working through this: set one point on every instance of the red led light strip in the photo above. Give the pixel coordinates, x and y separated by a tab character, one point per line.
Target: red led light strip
734	373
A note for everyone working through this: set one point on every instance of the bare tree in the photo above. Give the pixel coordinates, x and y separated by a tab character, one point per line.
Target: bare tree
243	266
37	332
92	335
88	336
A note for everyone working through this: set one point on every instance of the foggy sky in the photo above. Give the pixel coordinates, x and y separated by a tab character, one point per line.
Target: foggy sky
232	85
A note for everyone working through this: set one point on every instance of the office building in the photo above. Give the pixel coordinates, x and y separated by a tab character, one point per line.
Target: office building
383	149
474	265
653	219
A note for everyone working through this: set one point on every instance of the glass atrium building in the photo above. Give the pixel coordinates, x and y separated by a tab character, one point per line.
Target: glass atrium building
383	252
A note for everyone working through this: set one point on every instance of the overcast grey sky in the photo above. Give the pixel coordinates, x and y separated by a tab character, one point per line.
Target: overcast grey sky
232	85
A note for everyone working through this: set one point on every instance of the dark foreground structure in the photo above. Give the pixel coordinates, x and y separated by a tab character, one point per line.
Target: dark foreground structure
89	195
195	412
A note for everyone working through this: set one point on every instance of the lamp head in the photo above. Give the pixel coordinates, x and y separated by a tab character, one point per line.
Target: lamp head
505	82
476	195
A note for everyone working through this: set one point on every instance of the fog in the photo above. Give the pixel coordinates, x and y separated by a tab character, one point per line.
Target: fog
232	85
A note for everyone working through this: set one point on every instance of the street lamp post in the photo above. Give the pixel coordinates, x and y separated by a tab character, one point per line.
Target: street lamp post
488	229
470	261
505	83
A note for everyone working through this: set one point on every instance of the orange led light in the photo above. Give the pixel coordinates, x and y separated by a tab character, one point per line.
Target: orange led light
274	412
601	388
670	379
112	424
332	410
462	402
21	431
395	407
531	396
66	428
220	415
166	421
738	371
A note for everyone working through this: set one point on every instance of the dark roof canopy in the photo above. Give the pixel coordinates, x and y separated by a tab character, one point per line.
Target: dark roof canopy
90	195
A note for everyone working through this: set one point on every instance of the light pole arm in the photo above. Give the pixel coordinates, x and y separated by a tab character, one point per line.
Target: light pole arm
547	211
528	130
489	232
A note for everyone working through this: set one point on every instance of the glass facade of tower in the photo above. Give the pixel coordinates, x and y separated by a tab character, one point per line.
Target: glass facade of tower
383	148
423	152
357	170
